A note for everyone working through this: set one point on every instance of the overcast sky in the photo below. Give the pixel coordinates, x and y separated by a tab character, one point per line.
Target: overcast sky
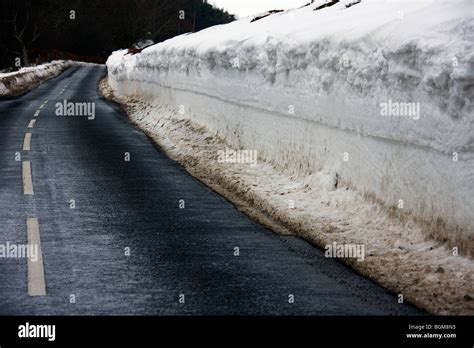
243	8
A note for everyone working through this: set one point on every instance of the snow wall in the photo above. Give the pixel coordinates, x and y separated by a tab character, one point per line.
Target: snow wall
379	93
17	82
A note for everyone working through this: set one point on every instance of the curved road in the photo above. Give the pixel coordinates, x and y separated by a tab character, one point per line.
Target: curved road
114	239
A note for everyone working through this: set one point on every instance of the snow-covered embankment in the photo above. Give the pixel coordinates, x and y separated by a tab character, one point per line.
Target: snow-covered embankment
362	120
18	82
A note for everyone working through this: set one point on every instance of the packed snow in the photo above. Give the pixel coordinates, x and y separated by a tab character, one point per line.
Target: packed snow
361	114
17	82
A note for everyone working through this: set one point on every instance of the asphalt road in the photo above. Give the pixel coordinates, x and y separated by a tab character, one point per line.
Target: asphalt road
134	205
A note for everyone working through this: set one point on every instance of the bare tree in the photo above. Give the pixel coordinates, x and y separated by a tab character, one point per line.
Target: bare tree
24	24
25	39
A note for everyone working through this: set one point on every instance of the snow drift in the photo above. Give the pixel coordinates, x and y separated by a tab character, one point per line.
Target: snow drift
15	83
377	96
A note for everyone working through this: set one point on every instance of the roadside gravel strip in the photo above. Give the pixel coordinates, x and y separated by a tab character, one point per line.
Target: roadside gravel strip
420	270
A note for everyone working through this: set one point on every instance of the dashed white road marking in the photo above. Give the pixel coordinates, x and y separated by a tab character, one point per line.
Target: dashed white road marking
45	102
32	123
37	113
41	106
36	282
27	142
27	179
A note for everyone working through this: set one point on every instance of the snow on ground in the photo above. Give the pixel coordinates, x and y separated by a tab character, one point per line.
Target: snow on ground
18	82
396	253
361	116
15	83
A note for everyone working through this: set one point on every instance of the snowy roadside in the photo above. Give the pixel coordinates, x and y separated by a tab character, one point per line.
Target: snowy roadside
361	115
397	253
376	96
18	82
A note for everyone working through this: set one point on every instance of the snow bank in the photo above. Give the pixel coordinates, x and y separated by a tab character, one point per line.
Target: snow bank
375	97
17	82
397	254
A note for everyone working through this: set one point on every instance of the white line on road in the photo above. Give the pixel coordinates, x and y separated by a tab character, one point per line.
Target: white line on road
27	180
27	142
31	124
36	282
41	106
37	113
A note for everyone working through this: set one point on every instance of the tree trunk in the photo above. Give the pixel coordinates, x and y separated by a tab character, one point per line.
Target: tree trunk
24	51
